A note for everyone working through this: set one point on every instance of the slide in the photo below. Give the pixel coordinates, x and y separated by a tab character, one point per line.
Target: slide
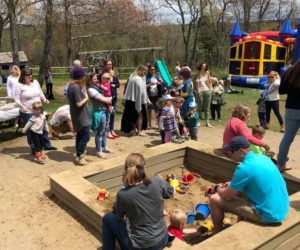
164	72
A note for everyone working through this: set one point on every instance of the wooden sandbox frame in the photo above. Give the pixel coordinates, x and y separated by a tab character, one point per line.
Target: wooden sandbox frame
78	188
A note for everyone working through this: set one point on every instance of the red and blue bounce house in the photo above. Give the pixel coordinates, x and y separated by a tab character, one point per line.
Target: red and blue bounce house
253	55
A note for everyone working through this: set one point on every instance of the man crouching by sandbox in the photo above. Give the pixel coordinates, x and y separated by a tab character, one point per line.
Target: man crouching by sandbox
257	191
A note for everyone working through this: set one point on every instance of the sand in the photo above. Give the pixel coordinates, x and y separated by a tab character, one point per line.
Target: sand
31	218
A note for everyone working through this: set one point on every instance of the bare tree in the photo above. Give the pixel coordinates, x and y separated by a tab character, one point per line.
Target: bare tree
48	40
285	9
263	7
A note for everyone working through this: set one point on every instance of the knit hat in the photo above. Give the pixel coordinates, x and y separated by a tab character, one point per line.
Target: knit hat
78	73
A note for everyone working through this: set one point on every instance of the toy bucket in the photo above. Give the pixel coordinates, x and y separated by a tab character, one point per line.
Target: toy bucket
202	211
190	217
188	178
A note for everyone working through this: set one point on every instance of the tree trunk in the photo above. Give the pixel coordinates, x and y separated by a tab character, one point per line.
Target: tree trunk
68	29
47	43
12	28
1	31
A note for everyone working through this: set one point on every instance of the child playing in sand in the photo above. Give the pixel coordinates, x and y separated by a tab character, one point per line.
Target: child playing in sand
105	88
259	132
37	123
177	223
261	110
192	118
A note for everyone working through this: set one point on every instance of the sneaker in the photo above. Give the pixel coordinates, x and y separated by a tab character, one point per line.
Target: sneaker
199	124
208	125
219	120
175	140
80	161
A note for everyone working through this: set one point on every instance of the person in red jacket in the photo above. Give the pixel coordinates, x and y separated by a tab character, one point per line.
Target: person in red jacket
236	126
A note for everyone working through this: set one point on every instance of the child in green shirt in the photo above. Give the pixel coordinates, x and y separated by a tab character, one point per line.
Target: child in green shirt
192	121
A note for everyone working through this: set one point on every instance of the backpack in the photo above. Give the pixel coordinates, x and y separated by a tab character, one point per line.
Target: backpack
66	91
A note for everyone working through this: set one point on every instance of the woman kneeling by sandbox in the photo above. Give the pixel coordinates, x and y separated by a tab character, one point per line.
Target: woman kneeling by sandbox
141	200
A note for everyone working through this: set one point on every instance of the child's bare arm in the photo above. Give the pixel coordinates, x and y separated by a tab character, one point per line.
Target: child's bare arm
270	153
189	230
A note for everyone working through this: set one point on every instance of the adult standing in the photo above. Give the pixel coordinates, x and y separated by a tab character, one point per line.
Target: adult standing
177	69
266	202
76	63
236	126
80	114
154	91
186	91
135	100
27	92
290	85
272	98
12	81
141	201
99	116
108	67
202	90
49	83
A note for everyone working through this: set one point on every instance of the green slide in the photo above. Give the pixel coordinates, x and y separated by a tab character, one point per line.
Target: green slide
164	71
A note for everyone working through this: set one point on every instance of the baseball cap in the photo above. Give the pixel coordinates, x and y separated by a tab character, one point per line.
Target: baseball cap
167	97
236	143
192	105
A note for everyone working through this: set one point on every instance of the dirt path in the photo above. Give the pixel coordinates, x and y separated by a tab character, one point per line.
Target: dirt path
30	218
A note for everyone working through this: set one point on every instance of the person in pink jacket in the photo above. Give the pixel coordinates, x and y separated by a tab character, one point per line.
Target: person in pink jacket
237	126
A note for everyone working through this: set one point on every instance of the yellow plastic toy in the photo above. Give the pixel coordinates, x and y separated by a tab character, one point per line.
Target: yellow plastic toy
174	183
208	224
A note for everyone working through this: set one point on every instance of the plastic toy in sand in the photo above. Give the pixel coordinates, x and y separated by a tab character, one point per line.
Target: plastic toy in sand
188	179
103	194
201	211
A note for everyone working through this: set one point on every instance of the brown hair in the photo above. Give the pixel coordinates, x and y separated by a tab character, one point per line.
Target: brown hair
200	66
81	83
135	170
179	99
258	130
186	73
105	62
24	72
178	218
241	111
37	106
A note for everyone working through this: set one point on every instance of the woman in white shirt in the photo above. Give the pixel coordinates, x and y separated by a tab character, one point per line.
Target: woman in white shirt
272	99
12	81
202	91
27	92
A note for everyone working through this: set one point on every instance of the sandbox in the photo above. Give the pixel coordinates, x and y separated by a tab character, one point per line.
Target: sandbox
79	189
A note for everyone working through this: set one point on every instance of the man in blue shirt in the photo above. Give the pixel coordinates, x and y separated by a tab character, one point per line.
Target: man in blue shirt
264	198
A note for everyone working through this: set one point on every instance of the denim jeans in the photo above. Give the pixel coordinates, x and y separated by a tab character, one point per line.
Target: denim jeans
262	118
82	138
112	115
46	143
113	228
100	138
292	125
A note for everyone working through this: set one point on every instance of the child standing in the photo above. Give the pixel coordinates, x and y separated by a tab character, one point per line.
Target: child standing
216	99
37	123
192	119
177	223
261	110
168	117
159	120
105	88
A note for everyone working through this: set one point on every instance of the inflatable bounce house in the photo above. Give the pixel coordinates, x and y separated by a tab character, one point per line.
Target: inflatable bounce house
253	55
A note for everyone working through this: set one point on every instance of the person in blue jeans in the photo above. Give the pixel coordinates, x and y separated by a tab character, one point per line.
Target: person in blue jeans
141	201
99	116
290	85
249	195
80	114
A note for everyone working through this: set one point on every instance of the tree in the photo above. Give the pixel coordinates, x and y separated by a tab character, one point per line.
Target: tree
47	42
263	6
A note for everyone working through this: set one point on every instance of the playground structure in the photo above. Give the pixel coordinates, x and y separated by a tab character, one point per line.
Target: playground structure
255	54
79	188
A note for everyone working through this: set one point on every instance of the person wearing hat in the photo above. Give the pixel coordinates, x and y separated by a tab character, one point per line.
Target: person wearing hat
168	117
80	114
192	120
249	194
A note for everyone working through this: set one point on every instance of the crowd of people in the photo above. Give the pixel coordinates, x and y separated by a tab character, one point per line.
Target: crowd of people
179	109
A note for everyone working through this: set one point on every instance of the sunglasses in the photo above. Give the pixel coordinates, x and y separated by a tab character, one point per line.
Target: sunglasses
270	76
28	74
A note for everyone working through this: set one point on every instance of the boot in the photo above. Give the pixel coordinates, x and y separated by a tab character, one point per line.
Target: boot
282	128
267	125
80	161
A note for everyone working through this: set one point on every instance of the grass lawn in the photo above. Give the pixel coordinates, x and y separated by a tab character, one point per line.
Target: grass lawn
249	97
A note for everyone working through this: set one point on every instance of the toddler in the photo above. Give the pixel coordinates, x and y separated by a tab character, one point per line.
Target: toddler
168	118
159	120
177	223
258	132
105	88
192	118
261	110
37	123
